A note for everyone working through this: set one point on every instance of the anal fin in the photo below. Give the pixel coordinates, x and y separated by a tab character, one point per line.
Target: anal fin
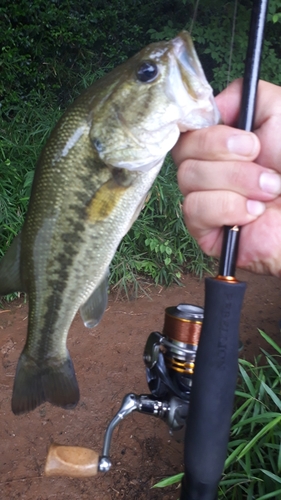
93	309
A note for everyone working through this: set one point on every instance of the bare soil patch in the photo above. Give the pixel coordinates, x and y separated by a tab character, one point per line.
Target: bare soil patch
108	362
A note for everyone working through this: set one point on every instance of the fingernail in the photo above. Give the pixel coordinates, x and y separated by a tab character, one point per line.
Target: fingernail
242	144
270	182
255	207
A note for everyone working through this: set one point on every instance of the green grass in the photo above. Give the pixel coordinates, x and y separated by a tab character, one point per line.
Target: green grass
44	54
253	465
21	140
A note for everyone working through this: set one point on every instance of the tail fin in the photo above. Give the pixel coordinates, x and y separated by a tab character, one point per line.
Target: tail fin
52	381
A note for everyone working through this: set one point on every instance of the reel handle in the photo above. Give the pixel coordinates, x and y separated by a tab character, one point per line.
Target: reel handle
71	461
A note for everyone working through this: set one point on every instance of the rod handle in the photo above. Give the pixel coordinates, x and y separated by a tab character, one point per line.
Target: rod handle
72	461
213	387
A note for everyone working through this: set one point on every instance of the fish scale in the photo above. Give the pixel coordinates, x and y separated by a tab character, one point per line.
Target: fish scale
90	184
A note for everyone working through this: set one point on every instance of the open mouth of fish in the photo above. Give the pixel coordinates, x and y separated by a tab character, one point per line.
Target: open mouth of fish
194	95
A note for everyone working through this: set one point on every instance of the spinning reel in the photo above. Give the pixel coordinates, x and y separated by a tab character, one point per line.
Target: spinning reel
169	359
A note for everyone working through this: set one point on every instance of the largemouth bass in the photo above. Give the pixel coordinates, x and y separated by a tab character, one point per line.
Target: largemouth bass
90	183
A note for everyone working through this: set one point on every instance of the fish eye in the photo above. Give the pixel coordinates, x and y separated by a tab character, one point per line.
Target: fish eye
147	72
98	145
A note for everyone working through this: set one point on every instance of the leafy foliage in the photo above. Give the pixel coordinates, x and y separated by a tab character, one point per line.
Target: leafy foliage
253	464
49	52
46	47
158	244
223	58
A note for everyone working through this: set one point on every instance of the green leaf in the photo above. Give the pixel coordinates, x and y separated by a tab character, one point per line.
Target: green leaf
276	17
247	381
275	368
234	454
270	341
261	419
273	396
259	435
248	403
272	476
169	480
273	494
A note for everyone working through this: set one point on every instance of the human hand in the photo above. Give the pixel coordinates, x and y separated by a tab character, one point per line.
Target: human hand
229	176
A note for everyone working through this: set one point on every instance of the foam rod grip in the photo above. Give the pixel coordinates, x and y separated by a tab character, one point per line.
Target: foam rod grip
72	461
213	387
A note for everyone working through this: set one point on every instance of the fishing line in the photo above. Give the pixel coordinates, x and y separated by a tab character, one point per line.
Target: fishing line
232	41
194	16
234	19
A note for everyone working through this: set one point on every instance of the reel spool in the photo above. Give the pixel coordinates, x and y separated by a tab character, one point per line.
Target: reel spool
170	357
182	328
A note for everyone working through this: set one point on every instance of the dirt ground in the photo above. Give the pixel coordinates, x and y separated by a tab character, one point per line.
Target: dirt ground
108	363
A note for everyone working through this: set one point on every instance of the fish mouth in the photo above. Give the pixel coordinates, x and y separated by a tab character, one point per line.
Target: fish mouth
204	111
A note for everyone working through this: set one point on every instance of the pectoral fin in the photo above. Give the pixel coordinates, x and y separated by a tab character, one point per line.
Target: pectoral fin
92	311
10	280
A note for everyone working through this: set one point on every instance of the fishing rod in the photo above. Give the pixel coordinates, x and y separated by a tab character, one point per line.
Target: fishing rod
216	367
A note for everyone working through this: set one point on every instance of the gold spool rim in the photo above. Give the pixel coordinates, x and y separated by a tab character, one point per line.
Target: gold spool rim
230	279
184	320
181	367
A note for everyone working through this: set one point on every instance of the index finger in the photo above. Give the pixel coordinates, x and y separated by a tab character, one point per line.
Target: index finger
216	143
268	102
